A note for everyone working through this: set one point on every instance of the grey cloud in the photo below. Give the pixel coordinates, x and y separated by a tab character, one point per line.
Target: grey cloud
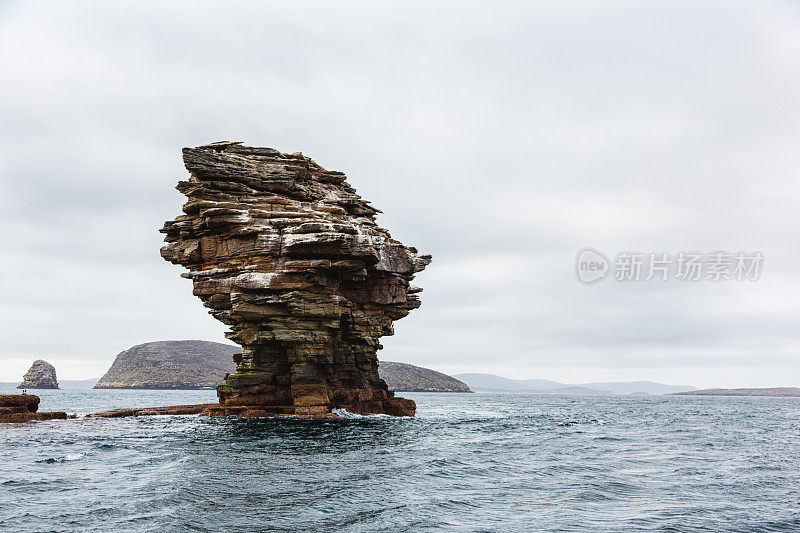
500	138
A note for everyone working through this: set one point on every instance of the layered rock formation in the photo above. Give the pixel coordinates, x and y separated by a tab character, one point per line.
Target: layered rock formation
292	259
18	408
402	377
170	365
41	375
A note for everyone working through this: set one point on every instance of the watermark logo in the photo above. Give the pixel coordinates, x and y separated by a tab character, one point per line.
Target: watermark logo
592	266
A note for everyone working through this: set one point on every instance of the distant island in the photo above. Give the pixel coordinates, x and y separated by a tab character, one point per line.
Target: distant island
785	392
494	383
187	364
402	377
41	375
194	364
78	383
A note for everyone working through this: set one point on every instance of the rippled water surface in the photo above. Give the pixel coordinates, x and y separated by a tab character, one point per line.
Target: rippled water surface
467	462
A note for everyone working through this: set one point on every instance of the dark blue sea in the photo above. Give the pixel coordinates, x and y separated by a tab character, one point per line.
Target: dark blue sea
467	462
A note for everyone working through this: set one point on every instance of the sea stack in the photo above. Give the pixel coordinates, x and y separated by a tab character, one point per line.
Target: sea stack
41	375
292	259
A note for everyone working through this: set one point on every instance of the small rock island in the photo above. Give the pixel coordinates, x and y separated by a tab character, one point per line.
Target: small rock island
41	375
291	258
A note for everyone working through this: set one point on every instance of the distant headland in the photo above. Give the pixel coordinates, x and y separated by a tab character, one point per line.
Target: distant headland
402	377
787	392
189	364
195	364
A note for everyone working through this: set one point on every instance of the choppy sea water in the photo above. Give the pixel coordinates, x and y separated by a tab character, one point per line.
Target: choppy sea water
467	462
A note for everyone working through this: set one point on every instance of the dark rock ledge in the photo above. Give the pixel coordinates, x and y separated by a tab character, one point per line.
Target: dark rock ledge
201	409
17	408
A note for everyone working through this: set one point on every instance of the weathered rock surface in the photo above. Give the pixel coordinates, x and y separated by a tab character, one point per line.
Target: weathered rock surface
188	364
18	408
194	409
292	259
41	375
402	377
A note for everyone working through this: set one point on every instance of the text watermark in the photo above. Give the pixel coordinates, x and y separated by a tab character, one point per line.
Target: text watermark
593	266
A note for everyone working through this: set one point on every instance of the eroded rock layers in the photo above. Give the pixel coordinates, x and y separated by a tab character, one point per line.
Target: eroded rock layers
41	375
292	259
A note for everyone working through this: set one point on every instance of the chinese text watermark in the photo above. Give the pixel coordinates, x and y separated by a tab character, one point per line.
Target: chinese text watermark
592	266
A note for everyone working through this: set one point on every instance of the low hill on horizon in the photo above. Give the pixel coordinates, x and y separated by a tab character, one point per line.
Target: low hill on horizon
189	364
78	383
194	364
495	383
62	383
783	392
403	377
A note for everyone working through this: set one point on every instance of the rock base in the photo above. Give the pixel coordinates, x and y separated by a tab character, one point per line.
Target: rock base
19	408
390	406
304	393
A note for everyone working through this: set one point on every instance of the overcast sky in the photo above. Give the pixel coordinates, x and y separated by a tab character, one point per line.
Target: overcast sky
501	137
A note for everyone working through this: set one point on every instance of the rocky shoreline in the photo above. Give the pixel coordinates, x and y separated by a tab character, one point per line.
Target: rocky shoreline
20	408
202	409
195	409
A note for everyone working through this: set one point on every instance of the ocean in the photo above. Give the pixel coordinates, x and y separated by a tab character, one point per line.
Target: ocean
467	462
